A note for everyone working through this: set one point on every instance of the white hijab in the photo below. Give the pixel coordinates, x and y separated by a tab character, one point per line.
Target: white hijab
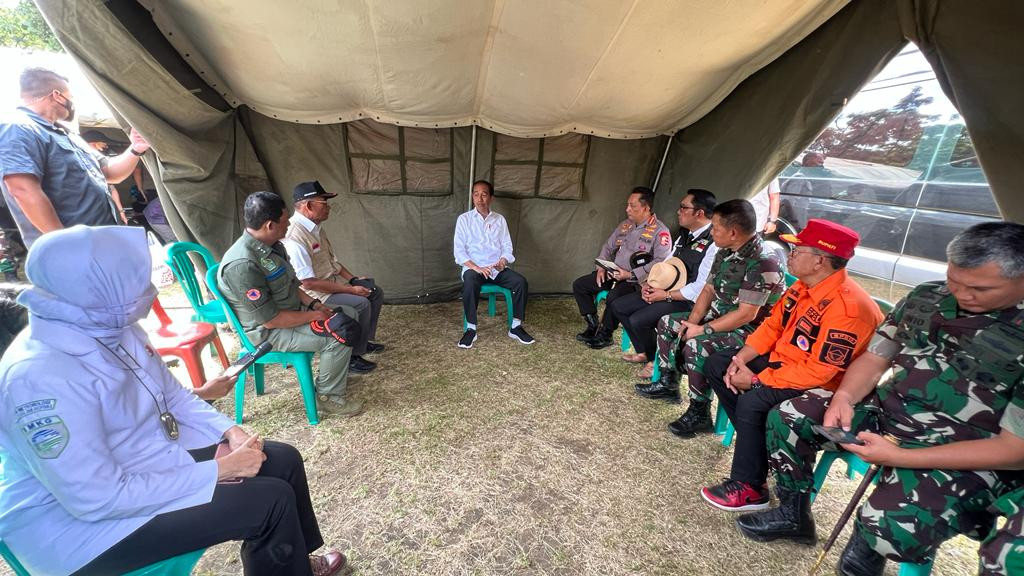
95	280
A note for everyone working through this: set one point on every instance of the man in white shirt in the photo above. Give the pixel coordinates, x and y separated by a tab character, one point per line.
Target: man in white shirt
766	206
326	279
639	312
483	248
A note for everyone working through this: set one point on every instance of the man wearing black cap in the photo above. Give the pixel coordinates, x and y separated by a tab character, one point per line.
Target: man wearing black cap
326	279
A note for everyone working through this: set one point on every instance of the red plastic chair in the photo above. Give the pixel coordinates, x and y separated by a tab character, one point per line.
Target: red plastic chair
186	341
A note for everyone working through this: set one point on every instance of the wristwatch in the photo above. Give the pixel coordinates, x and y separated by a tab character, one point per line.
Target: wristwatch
708	329
755	382
136	152
668	296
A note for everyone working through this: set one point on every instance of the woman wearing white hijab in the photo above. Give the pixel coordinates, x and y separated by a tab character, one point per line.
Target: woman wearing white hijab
108	462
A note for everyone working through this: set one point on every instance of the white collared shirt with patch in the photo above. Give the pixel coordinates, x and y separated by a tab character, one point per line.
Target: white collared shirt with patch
482	240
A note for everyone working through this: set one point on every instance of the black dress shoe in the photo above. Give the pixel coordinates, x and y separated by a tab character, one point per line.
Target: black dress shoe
859	559
372	347
602	339
665	388
590	330
361	365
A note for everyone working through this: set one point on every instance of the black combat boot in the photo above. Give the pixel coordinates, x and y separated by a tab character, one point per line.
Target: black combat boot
587	334
666	387
602	339
696	419
792	520
859	559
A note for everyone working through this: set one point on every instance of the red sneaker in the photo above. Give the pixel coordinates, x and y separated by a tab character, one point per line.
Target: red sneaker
735	496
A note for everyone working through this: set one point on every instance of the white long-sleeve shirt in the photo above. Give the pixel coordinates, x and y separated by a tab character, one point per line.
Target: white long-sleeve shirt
484	240
692	289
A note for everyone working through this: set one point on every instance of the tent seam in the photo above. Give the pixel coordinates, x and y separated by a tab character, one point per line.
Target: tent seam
604	53
485	60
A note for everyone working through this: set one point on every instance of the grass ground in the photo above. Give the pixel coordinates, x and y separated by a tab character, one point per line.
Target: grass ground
511	459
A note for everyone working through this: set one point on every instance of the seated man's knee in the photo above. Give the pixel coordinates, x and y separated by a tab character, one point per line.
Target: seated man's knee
282	453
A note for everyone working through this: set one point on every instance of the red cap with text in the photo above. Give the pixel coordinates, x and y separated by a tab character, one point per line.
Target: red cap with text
826	236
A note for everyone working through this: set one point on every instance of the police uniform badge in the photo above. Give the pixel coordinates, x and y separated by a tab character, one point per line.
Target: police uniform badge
268	263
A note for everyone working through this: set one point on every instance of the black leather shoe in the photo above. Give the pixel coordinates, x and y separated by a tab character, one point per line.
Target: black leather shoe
792	520
695	420
859	559
602	339
665	388
361	365
372	347
590	330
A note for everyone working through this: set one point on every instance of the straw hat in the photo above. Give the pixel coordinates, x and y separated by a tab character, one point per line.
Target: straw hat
668	275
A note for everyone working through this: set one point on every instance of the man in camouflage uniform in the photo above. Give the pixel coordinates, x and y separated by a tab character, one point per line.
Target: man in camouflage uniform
954	402
640	232
746	281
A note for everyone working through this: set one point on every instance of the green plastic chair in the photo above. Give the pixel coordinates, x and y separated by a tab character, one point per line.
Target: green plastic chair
491	291
855	465
884	305
177	566
303	361
625	337
178	260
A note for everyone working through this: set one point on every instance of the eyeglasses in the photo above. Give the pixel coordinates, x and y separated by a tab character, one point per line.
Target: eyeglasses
682	208
808	252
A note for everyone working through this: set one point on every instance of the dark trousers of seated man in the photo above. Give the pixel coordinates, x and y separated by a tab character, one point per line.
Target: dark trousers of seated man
640	319
507	278
271	513
585	289
748	413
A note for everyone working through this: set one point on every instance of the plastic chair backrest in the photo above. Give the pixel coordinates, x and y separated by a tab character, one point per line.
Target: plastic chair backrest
884	305
790	279
180	263
211	283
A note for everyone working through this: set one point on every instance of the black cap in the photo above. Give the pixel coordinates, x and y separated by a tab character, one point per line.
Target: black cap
97	136
307	190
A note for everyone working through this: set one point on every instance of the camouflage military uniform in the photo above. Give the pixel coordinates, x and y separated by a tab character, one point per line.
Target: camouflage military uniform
956	376
751	275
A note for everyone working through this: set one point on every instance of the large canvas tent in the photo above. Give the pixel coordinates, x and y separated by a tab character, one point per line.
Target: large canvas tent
397	105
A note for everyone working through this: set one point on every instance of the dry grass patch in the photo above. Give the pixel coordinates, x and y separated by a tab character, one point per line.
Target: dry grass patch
511	459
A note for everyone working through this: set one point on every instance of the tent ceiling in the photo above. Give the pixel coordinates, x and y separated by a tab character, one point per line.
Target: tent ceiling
617	68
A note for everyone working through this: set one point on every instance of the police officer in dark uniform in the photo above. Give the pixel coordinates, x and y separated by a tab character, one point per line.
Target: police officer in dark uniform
639	312
641	232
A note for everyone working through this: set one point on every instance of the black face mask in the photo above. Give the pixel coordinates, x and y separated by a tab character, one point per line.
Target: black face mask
68	105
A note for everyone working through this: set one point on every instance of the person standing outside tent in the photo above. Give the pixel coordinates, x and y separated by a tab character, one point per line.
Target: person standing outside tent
326	279
766	206
49	177
483	247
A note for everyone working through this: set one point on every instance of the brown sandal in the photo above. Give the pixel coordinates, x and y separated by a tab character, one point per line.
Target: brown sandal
635	358
647	371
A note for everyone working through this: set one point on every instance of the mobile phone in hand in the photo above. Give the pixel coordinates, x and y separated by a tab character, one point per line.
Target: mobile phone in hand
249	359
837	435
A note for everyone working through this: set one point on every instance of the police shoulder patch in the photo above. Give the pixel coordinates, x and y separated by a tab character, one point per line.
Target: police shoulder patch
664	238
268	263
48	436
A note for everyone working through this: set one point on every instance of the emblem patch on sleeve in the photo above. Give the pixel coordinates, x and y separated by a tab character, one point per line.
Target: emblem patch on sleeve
253	294
664	239
838	348
48	436
34	406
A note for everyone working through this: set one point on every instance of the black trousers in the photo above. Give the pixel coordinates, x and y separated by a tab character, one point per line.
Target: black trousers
748	413
271	513
640	319
507	278
585	289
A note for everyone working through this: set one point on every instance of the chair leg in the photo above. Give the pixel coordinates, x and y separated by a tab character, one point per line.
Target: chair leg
730	431
508	308
240	396
257	377
490	305
194	365
304	372
219	347
625	340
821	471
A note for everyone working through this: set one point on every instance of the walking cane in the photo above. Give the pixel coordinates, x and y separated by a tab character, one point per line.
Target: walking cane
869	477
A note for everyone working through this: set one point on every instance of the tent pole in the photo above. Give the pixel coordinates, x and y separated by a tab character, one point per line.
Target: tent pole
662	165
472	165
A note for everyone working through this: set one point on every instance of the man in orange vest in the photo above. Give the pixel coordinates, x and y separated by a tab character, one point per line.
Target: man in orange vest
820	325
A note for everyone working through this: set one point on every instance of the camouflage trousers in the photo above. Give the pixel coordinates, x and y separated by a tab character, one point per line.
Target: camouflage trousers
694	351
668	335
910	512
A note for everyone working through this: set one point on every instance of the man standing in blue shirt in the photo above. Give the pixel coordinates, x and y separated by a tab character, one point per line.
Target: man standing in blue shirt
50	178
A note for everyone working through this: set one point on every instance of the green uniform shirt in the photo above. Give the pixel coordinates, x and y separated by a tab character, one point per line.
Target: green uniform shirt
750	275
956	375
258	282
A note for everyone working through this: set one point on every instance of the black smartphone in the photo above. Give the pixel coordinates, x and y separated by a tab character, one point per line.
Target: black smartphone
249	359
837	435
